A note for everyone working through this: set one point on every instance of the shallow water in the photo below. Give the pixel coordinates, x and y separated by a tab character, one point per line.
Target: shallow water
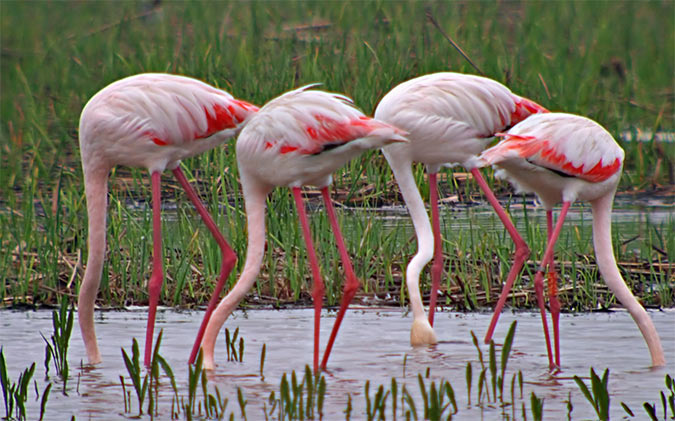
628	221
372	345
638	220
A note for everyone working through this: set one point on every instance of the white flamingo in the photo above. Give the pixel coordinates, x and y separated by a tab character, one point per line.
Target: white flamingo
450	119
564	158
297	139
149	121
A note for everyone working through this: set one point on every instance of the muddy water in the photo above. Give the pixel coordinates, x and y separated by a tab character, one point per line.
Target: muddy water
372	345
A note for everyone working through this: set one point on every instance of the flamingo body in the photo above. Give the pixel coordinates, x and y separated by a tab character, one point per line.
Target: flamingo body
149	121
563	158
155	120
304	136
450	119
541	155
297	139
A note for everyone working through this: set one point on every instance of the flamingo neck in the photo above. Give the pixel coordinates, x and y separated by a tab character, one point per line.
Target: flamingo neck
255	203
254	197
425	238
602	242
96	190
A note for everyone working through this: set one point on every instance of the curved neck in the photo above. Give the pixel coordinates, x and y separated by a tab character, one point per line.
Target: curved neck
255	202
96	191
254	198
425	238
602	242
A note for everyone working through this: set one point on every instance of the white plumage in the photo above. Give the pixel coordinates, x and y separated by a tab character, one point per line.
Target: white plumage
297	139
153	120
564	158
450	118
149	121
561	157
303	136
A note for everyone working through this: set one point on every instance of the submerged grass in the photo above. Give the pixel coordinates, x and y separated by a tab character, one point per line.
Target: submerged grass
256	51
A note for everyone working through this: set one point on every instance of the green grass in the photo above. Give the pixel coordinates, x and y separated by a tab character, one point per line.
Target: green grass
612	61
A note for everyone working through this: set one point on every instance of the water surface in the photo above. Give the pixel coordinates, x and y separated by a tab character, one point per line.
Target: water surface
372	345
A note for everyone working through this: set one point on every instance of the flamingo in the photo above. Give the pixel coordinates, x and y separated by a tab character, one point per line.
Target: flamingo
450	118
151	121
297	139
564	158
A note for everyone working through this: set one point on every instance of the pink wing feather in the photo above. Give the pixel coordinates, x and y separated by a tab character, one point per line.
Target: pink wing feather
524	108
450	105
327	133
566	143
318	123
167	109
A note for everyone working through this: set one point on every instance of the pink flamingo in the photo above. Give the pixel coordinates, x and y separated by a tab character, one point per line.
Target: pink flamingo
150	121
297	139
564	158
450	118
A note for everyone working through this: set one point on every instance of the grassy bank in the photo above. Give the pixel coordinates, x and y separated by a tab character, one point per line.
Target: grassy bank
610	61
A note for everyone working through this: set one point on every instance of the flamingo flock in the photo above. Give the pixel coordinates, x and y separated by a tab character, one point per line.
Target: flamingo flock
300	138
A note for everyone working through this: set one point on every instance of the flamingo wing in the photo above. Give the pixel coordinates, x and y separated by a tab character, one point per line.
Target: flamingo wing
168	109
567	144
310	122
450	105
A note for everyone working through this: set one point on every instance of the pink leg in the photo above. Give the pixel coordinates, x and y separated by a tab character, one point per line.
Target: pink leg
318	290
229	258
437	265
351	282
539	278
522	251
554	304
157	277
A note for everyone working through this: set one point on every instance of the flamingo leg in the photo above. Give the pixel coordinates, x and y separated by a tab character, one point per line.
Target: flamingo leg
437	265
553	302
229	258
351	282
539	277
318	289
157	277
521	253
